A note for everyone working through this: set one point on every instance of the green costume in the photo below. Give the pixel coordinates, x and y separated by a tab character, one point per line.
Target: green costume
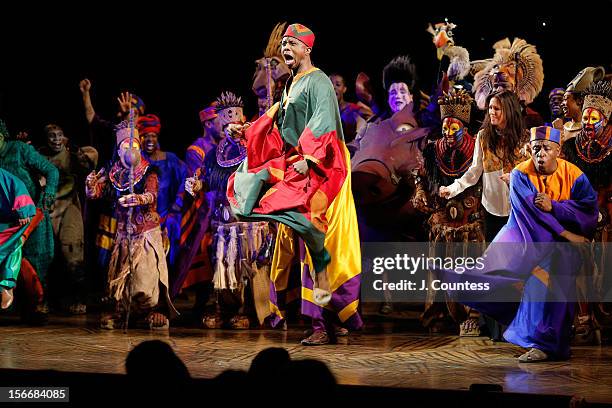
24	162
15	204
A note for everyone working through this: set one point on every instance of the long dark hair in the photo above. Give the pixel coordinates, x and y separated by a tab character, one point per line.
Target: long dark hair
504	147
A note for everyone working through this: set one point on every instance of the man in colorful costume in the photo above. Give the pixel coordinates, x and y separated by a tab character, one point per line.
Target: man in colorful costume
27	164
240	277
137	278
67	218
591	151
193	268
172	175
197	151
100	226
16	222
458	219
298	161
552	202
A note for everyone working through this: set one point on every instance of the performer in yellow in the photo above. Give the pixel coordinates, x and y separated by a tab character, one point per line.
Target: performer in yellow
297	172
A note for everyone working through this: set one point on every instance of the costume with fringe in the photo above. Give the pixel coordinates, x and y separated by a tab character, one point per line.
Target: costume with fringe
148	283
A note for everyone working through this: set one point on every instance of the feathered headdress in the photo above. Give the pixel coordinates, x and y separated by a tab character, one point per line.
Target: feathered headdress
229	108
516	67
599	96
459	66
456	104
228	100
400	69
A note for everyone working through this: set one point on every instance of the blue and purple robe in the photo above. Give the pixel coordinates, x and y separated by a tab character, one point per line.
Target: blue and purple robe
524	257
169	199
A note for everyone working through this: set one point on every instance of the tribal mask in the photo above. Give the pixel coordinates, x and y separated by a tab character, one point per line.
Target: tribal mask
593	122
452	130
129	155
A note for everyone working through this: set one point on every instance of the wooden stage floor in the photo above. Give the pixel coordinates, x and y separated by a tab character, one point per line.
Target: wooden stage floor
381	355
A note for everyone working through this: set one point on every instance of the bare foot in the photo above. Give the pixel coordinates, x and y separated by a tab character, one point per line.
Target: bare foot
7	298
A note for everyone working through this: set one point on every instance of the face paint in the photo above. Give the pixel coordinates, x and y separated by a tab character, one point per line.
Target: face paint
593	122
453	130
56	140
129	156
399	96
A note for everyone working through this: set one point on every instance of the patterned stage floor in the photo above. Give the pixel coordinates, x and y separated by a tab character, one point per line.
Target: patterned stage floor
379	356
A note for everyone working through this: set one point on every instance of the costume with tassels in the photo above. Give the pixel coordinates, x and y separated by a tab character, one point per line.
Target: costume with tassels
240	270
458	219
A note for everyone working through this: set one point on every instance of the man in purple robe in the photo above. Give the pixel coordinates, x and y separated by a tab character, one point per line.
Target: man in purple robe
552	202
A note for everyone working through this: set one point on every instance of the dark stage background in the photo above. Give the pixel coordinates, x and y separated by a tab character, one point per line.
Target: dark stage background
179	57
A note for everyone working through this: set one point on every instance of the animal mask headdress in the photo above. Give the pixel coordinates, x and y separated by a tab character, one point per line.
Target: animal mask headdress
516	67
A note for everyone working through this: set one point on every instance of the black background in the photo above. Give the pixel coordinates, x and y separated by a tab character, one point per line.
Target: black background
178	58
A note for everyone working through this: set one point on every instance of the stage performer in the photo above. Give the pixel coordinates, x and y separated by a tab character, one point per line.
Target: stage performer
298	160
241	277
573	98
172	175
459	219
16	219
67	219
24	162
211	134
591	151
552	202
142	286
